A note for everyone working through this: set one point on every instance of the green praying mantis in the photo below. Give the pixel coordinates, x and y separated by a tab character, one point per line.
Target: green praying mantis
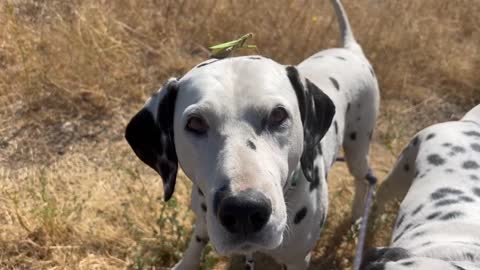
224	50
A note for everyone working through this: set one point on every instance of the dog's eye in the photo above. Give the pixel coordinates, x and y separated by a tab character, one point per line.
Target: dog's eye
278	116
197	125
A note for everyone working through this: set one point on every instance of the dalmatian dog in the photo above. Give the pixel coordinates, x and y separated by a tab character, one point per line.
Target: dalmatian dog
438	225
257	139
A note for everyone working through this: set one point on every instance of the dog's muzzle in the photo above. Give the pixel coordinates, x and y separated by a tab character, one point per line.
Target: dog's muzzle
244	213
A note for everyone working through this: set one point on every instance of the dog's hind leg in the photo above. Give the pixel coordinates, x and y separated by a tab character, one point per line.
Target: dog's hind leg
358	133
192	256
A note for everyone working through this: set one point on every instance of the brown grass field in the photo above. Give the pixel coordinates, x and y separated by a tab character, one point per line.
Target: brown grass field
72	73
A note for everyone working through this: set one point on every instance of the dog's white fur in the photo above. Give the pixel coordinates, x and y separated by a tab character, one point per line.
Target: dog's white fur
232	95
438	224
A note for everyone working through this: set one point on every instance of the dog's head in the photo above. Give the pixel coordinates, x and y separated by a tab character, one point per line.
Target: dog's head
239	128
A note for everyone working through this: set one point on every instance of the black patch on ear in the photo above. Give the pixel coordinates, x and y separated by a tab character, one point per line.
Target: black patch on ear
317	111
152	141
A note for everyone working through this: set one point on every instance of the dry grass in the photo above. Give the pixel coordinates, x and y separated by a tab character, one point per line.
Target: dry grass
72	194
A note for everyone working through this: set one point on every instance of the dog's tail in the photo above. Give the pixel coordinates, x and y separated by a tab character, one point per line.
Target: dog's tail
401	177
473	115
346	34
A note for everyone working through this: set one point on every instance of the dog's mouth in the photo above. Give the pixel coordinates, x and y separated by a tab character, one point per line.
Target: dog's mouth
267	239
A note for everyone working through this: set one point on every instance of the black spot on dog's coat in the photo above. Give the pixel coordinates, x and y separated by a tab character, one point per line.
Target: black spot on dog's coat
255	57
466	199
447	144
400	221
398	236
426	244
451	215
475	147
430	136
314	184
407	227
408	263
469	256
417	210
341	58
443	192
449	170
476	191
348	106
458	149
251	145
435	159
458	267
474	177
335	124
300	215
335	83
470	165
472	133
200	192
353	136
434	215
445	202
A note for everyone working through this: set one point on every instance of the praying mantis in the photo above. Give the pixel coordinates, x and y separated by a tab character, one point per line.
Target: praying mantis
224	50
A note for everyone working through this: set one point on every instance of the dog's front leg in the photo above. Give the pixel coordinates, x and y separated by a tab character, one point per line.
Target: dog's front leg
192	256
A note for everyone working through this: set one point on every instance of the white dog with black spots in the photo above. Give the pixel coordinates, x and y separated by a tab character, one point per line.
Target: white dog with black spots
438	223
257	139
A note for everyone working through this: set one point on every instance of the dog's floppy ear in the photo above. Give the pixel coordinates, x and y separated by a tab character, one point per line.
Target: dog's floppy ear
150	134
317	111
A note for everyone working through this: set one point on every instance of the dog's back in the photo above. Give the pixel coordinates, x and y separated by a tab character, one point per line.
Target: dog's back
438	177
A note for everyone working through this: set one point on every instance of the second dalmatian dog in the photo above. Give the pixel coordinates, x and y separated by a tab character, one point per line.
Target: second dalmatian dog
438	225
257	139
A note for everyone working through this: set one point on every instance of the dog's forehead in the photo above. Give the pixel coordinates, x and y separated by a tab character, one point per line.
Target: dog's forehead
247	76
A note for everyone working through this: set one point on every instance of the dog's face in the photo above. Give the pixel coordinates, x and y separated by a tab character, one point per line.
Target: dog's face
238	127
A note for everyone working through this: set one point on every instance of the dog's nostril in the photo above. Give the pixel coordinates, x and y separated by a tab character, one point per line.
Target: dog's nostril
246	212
228	220
258	220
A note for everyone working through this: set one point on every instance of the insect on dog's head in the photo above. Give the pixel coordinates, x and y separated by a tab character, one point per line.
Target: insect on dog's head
239	128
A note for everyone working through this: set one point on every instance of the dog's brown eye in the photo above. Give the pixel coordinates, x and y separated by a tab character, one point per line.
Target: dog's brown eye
278	116
197	125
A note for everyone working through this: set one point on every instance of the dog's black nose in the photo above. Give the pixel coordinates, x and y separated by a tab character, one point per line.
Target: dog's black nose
245	212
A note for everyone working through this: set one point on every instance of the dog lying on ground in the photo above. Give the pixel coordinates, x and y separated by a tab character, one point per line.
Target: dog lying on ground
438	223
257	139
